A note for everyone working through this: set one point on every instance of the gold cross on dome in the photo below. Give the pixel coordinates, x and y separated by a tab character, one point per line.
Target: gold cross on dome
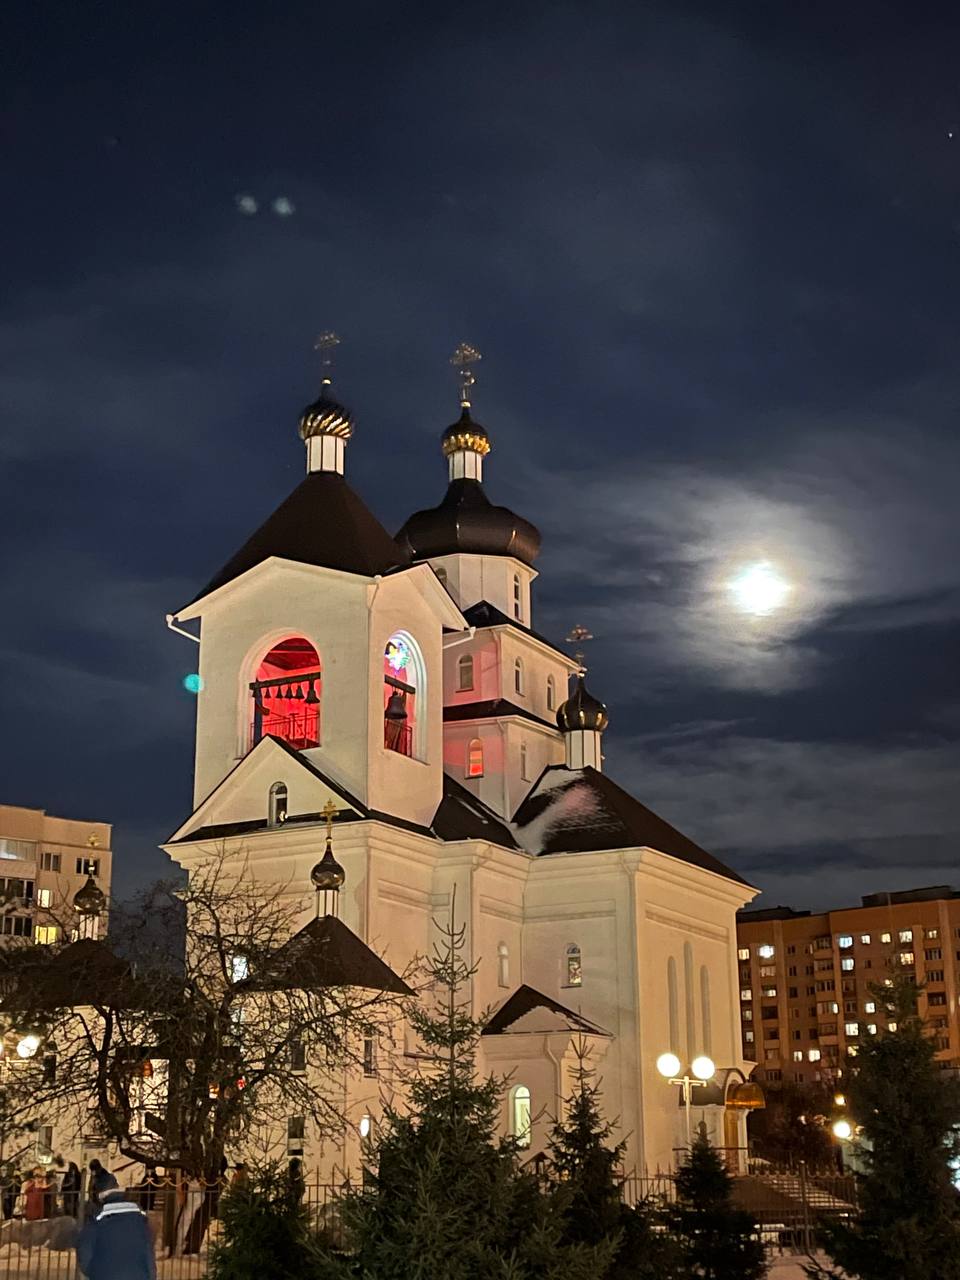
462	359
329	811
326	343
578	636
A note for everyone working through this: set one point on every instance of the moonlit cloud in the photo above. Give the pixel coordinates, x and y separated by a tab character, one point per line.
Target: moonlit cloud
283	207
246	204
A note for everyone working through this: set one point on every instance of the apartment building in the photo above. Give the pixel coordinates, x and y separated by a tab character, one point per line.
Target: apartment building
806	1004
43	862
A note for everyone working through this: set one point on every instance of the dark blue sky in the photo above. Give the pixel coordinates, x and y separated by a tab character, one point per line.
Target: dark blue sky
711	254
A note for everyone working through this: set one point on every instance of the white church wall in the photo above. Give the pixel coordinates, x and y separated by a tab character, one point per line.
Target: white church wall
472	578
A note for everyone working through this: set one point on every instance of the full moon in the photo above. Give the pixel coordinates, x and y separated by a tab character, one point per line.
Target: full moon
759	589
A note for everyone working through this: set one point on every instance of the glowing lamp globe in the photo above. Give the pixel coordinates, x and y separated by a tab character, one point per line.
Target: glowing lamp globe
842	1129
668	1064
28	1046
365	1125
703	1067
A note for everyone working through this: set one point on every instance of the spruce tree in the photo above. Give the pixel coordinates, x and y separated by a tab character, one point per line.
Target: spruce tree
265	1230
908	1115
445	1198
718	1240
587	1167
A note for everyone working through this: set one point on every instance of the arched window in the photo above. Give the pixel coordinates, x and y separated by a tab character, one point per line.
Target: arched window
518	675
520	1114
673	1007
551	694
503	965
517	598
474	767
573	966
404	682
465	672
524	774
706	1041
277	806
286	695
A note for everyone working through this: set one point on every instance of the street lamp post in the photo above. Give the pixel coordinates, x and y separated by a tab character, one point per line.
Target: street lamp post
700	1071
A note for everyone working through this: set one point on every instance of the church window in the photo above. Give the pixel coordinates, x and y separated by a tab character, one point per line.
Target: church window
475	759
573	970
286	695
403	688
520	1114
465	672
278	804
503	965
239	968
369	1056
689	999
551	694
296	1133
298	1057
524	767
518	675
517	597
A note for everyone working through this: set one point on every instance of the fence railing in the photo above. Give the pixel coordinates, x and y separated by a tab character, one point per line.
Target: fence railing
38	1234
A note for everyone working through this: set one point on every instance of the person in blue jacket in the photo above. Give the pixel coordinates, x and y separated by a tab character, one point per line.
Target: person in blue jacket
116	1244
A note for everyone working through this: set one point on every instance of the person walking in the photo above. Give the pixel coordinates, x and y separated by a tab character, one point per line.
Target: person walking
34	1193
70	1190
116	1244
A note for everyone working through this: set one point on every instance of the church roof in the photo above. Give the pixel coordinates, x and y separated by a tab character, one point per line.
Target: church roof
323	522
467	521
530	1011
461	816
325	953
491	709
484	614
86	972
582	810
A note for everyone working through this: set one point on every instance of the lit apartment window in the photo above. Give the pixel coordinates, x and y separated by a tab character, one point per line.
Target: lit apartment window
870	1006
846	963
44	897
748	1037
891	1026
746	1014
813	1055
50	862
798	1055
844	940
865	939
931	934
906	957
766	951
768	971
743	953
852	1050
885	937
871	1028
851	1028
46	934
906	935
770	993
746	993
937	997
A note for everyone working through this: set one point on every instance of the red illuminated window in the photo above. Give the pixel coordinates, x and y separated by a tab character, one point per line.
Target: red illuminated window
286	694
475	759
399	695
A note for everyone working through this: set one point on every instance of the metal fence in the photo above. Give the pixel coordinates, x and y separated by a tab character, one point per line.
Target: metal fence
787	1206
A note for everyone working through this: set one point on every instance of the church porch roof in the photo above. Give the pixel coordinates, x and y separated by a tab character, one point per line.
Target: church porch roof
529	1011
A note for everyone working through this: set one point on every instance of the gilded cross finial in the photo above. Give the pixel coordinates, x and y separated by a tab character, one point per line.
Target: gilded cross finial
578	636
326	343
463	359
329	811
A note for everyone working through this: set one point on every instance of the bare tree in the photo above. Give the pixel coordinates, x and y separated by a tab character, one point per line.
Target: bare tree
177	1052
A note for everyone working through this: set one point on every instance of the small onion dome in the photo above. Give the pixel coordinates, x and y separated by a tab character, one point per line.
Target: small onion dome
328	873
89	899
582	711
325	417
465	434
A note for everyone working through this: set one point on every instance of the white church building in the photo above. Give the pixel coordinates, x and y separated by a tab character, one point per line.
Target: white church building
400	679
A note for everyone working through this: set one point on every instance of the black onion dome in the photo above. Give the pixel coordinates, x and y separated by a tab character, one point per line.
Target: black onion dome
89	899
582	711
467	521
328	873
325	417
465	434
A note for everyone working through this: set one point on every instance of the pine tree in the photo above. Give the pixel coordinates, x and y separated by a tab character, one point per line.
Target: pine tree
264	1231
719	1241
587	1166
445	1198
908	1114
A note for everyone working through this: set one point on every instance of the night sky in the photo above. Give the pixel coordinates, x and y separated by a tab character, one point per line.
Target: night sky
711	255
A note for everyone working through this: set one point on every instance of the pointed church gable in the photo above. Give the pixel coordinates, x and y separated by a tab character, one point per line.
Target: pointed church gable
529	1011
241	802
